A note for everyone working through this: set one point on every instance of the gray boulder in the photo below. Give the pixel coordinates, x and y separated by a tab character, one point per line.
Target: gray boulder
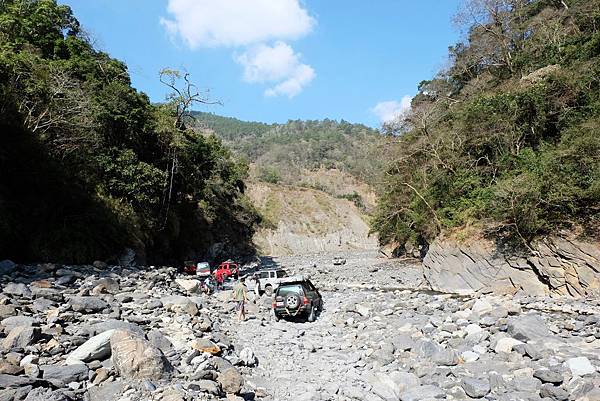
231	381
528	328
17	289
16	321
136	358
476	388
20	337
96	348
60	376
87	304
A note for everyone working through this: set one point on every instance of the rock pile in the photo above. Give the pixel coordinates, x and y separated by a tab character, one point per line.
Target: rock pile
374	344
102	333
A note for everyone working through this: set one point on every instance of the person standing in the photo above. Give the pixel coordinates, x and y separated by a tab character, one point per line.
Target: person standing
256	286
240	294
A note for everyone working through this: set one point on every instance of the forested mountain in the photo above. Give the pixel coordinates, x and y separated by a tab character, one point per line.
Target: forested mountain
507	137
282	151
88	166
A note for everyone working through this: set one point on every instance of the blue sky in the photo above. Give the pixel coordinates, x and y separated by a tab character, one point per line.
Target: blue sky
274	60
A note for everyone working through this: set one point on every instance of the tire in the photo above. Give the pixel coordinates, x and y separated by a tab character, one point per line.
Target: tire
312	316
277	317
292	301
269	290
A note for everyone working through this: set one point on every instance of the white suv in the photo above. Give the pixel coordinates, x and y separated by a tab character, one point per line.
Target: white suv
268	279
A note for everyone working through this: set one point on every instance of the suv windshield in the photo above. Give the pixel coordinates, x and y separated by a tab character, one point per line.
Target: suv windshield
287	289
281	273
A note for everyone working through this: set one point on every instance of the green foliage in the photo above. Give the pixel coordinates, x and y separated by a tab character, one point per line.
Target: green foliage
289	148
89	166
507	137
269	174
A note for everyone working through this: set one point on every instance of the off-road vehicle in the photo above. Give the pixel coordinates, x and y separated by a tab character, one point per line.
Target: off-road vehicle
297	297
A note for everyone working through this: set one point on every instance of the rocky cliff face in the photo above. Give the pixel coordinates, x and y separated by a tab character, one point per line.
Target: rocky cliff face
556	266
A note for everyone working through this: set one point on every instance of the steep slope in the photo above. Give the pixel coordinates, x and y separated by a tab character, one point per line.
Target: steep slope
308	180
303	220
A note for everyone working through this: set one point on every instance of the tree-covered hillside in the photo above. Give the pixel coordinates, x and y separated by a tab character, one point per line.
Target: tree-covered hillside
508	137
88	166
282	151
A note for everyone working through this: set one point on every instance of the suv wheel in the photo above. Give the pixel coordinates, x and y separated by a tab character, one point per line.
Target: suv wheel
269	290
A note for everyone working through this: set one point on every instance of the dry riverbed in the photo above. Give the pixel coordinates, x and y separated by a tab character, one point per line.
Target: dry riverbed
112	333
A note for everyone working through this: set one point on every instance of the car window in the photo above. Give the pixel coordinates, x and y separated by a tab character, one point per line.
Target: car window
281	273
264	275
288	289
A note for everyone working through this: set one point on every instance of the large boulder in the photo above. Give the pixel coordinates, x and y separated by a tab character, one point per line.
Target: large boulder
20	337
231	381
17	289
62	375
136	358
87	304
96	348
528	327
554	266
180	304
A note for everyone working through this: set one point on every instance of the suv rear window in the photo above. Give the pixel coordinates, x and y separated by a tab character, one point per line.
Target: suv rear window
283	290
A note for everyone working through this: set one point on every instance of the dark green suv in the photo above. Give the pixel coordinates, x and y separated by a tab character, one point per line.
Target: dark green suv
297	297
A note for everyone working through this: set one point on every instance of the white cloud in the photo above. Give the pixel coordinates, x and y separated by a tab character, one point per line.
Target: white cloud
392	109
276	64
213	23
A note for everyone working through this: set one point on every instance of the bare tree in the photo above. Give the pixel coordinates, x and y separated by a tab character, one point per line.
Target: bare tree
183	96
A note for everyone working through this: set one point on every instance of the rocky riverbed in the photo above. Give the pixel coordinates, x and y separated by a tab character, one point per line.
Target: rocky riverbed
114	333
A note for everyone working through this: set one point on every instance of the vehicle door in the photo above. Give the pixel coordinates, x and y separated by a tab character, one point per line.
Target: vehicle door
314	294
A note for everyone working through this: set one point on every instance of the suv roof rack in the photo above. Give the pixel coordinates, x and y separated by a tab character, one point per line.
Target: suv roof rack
294	279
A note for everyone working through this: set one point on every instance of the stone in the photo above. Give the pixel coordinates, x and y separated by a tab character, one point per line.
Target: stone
10	368
362	310
469	356
548	376
425	392
403	342
556	393
107	284
528	328
580	366
160	341
63	375
107	391
17	289
557	265
506	345
20	337
7	311
180	304
205	345
231	381
10	381
114	324
188	285
205	386
15	321
446	357
476	388
87	304
29	359
247	357
96	348
482	307
136	358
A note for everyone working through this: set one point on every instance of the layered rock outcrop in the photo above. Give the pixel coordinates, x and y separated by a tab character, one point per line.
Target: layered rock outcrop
555	265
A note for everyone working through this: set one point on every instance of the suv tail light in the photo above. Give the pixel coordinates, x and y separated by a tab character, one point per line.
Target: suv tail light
306	301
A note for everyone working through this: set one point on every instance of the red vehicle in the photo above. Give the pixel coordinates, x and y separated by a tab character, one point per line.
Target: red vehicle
225	270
